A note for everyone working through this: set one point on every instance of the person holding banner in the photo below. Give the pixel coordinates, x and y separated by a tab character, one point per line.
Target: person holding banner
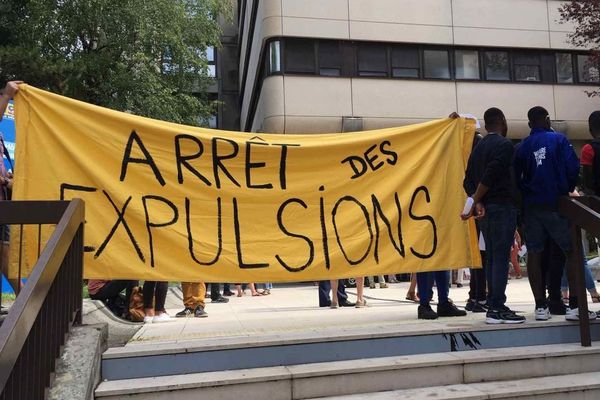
490	186
8	93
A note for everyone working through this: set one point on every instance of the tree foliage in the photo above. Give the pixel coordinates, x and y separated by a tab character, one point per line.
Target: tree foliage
140	56
585	14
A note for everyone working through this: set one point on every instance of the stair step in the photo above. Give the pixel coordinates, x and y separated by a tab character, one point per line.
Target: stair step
287	349
366	375
573	386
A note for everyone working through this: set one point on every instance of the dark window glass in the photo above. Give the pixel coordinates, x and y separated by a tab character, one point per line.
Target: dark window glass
548	67
330	59
564	68
527	67
496	66
274	57
372	60
467	64
436	64
588	72
405	62
300	56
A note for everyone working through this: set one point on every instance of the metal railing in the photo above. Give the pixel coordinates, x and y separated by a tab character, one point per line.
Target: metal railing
583	213
36	326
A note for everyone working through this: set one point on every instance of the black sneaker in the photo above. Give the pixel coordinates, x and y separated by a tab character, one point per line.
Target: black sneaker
186	312
347	303
200	313
475	306
449	310
503	316
557	307
220	299
426	312
228	293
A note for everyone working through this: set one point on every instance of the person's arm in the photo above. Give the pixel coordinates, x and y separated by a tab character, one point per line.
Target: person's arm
8	93
587	164
572	164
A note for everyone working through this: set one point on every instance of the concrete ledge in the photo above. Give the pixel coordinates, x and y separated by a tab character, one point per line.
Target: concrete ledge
580	386
376	374
78	368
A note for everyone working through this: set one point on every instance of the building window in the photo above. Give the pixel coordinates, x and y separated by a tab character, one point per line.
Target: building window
564	68
467	64
274	57
210	57
436	64
527	67
588	72
372	60
330	59
300	56
496	66
405	62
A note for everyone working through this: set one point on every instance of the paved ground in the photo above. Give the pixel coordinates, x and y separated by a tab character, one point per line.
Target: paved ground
293	308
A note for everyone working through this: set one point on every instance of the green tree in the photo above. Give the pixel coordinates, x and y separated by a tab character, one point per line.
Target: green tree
141	56
585	14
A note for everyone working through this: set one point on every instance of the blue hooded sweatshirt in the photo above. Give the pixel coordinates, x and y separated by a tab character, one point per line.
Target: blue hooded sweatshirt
546	167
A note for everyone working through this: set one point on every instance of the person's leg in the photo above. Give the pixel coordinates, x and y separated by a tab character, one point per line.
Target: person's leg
442	281
148	292
536	237
341	293
334	288
190	293
555	266
371	280
253	290
424	283
238	288
503	226
227	290
411	295
324	288
160	294
360	286
382	284
215	292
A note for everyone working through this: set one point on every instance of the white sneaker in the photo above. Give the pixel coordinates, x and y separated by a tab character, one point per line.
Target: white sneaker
542	314
164	317
148	319
573	314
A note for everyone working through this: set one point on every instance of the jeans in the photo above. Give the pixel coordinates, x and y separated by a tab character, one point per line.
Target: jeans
589	279
425	286
325	288
498	228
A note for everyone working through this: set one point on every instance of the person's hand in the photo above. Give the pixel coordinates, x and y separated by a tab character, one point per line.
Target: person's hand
454	115
479	210
12	88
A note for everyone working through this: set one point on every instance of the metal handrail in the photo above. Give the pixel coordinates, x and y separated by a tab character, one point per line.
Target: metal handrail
50	302
583	213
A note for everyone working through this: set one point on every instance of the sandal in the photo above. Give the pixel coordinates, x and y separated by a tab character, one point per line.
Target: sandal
256	294
361	304
595	298
412	296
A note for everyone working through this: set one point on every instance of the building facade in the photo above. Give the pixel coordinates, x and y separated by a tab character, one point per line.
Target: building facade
309	66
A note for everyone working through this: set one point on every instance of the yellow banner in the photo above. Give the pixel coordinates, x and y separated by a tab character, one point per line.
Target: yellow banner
169	202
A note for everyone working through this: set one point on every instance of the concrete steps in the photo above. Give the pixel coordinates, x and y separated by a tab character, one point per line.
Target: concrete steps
584	386
563	370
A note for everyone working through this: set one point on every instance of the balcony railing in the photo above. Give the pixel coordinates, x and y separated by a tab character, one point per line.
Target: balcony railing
50	302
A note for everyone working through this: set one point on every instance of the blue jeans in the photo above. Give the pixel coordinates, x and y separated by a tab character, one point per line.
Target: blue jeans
425	286
589	279
498	228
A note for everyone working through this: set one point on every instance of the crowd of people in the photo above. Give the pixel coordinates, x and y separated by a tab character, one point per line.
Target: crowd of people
513	193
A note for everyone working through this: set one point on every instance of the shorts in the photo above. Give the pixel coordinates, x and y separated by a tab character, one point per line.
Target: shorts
540	224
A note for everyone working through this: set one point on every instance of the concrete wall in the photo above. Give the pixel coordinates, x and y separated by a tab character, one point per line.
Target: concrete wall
317	104
298	104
